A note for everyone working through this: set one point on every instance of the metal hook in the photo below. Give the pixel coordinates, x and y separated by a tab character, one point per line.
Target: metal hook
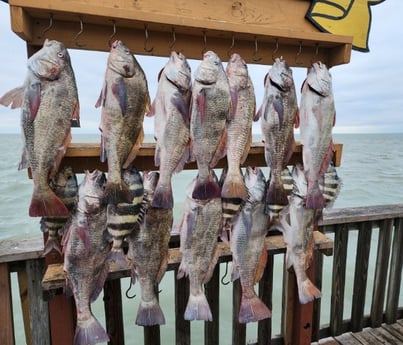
148	50
205	42
232	46
254	58
299	52
225	274
78	34
127	291
275	50
113	33
173	40
48	27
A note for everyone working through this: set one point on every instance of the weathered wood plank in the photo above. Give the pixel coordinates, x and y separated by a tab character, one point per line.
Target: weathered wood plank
360	276
251	24
395	330
24	298
6	315
381	272
347	339
387	338
212	292
395	275
338	278
21	249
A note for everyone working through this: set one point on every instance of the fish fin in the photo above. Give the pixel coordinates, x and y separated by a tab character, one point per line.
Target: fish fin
157	156
296	118
206	189
182	270
212	265
46	204
201	104
52	244
279	108
14	97
198	308
119	90
60	154
163	197
75	116
258	114
150	313
234	186
314	197
234	102
134	150
162	269
182	106
34	99
186	158
24	162
307	291
100	282
261	265
101	98
276	194
252	309
103	154
220	150
327	159
117	192
89	332
247	147
117	256
151	113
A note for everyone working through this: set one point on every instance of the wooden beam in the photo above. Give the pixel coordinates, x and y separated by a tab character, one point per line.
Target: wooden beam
258	27
6	315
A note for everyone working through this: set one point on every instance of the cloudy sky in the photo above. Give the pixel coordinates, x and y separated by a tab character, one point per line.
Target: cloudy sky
368	91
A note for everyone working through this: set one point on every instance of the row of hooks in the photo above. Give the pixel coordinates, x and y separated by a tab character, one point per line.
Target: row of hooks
147	49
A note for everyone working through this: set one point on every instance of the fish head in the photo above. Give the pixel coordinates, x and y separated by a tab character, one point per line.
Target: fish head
319	79
280	75
237	71
178	71
91	192
121	60
208	71
48	62
132	176
64	180
255	182
150	180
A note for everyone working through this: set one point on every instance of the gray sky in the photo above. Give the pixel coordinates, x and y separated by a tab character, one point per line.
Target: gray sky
368	91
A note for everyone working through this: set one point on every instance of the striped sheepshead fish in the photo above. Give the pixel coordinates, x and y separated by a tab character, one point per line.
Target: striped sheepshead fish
123	217
331	185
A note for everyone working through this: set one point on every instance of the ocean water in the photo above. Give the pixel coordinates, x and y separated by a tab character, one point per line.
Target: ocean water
372	174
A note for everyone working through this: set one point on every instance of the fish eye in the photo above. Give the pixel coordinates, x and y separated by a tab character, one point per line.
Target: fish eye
60	55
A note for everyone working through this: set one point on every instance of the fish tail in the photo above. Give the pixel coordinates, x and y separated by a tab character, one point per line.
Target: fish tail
117	192
276	194
52	244
118	257
90	331
307	291
205	189
46	204
234	187
150	313
252	309
198	308
314	197
163	197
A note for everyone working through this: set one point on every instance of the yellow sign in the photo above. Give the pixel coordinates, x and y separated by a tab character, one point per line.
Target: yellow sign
344	17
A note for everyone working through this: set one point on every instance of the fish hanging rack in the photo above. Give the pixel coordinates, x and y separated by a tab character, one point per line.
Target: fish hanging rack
258	31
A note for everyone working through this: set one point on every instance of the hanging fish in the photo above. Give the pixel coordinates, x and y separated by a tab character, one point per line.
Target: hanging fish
148	253
122	217
124	100
317	118
172	125
65	186
210	107
49	103
248	247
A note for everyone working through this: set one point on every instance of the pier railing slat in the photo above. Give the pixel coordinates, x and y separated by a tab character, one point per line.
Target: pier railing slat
6	315
212	291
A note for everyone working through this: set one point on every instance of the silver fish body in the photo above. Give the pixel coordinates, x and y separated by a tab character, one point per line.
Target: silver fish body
248	247
172	125
49	102
65	186
239	126
85	251
297	223
125	100
199	228
148	253
210	106
317	118
122	217
278	113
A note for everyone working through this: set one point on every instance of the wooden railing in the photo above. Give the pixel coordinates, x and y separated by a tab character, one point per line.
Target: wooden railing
376	231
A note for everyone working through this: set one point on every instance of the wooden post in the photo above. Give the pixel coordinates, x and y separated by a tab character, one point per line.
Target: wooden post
113	312
212	291
265	294
152	334
238	329
6	315
182	327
